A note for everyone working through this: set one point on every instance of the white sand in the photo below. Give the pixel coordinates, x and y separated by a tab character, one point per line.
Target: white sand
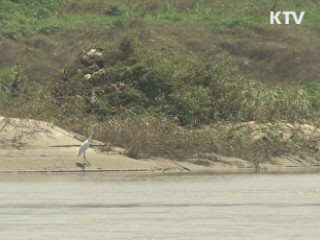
30	145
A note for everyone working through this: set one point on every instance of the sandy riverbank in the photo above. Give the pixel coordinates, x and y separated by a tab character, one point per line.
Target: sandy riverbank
35	146
29	145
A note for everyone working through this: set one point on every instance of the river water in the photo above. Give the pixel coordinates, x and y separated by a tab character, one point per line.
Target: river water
128	206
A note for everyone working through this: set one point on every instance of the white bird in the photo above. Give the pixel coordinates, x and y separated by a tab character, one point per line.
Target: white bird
85	145
93	98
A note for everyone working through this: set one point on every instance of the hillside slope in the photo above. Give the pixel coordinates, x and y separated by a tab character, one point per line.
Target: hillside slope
49	34
166	68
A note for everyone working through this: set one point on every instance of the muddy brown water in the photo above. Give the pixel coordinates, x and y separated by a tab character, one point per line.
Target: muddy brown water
131	206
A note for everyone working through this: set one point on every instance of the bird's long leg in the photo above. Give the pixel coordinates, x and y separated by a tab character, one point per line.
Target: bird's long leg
86	162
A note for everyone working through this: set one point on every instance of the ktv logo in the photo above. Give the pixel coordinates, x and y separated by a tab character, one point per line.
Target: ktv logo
277	17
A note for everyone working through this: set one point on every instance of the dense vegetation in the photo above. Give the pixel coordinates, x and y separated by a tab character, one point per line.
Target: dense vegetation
167	64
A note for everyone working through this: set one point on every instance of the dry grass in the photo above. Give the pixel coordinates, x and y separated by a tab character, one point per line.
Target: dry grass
151	137
145	137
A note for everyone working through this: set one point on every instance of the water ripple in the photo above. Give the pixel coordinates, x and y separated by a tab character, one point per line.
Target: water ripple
154	205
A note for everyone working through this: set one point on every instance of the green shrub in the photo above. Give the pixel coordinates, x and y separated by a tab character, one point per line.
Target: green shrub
8	80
